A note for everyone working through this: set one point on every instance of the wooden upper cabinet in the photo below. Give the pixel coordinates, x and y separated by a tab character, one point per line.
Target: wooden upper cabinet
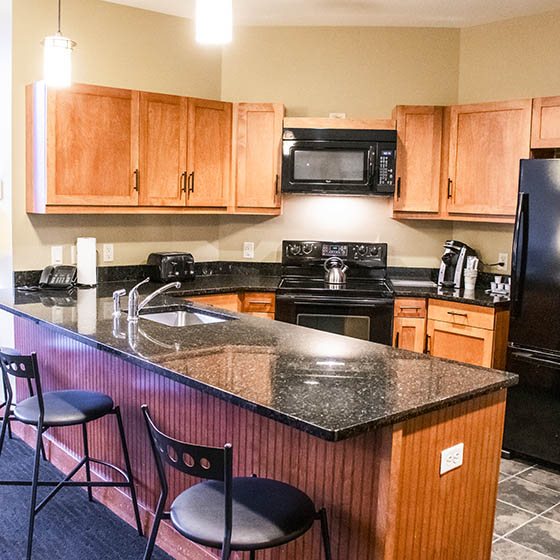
419	133
208	152
163	150
486	142
258	141
91	138
546	123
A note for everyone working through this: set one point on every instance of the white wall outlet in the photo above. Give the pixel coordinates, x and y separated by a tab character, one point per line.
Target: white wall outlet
248	250
56	254
451	458
108	252
337	115
73	254
503	258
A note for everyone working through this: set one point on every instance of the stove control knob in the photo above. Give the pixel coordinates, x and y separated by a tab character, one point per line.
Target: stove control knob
374	251
362	250
294	249
307	248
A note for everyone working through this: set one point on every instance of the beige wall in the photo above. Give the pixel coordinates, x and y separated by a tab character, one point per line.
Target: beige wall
511	59
361	71
121	47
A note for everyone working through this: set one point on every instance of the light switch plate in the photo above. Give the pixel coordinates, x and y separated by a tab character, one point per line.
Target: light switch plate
503	258
108	252
56	254
248	250
451	458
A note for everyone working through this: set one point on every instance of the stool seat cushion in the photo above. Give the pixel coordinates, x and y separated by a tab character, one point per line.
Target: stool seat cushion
266	513
65	408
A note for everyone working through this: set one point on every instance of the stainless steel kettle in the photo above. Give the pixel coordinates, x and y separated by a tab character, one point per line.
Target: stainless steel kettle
335	271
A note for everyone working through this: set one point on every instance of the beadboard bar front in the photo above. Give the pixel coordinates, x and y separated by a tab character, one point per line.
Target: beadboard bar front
382	490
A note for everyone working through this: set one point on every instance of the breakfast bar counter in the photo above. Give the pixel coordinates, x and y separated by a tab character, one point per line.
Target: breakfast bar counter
358	426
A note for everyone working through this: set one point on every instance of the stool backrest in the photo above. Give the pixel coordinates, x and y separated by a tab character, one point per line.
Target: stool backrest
24	367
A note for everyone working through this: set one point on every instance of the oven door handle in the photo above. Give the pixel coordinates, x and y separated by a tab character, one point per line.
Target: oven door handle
339	302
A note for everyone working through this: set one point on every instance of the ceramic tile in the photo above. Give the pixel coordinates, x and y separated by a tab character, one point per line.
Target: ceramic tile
507	550
508	518
527	495
541	535
544	476
512	466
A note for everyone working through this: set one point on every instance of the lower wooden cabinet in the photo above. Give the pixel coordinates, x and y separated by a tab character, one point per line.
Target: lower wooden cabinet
467	333
260	304
409	326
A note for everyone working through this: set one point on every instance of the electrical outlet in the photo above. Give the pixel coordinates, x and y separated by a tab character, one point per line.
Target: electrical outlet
503	258
107	252
248	250
56	254
451	458
73	254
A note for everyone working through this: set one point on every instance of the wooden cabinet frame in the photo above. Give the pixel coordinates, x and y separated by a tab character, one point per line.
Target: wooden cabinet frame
545	130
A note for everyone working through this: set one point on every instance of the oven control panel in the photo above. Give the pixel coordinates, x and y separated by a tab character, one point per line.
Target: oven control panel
313	252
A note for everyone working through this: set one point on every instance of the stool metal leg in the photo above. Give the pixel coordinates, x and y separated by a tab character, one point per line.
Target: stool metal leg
34	491
117	412
325	533
86	457
252	555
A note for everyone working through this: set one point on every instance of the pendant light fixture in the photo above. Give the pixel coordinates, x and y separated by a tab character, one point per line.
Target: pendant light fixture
213	22
57	58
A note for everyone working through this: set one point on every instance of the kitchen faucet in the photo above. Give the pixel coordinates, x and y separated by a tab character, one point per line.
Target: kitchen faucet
134	307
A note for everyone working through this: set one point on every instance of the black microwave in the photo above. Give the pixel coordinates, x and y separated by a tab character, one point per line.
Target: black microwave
338	161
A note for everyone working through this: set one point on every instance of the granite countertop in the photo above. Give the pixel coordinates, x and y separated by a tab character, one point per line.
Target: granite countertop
331	386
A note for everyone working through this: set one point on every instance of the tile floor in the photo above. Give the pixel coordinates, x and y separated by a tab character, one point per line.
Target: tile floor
527	525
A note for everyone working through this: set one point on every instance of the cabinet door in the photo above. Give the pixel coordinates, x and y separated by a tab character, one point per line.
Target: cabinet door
92	145
209	152
409	333
459	342
419	131
163	150
258	142
486	142
546	123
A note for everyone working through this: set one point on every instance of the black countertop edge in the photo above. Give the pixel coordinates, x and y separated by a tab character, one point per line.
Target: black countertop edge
269	412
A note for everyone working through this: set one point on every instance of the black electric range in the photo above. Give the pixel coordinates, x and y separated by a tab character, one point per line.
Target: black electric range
361	307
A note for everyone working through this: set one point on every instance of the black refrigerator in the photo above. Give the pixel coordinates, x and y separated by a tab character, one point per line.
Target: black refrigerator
533	407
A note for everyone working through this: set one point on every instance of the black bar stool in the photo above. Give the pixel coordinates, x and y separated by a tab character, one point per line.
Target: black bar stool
224	512
58	408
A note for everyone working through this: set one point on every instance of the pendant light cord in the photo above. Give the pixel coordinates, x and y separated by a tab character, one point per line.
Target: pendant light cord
58	32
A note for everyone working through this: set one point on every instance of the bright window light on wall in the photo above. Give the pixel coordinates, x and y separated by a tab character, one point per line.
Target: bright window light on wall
213	22
57	58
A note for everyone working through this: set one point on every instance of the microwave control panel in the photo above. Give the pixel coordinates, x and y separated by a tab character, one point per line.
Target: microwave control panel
385	167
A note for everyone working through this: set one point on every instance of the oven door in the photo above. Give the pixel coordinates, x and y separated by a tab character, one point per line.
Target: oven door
368	319
328	167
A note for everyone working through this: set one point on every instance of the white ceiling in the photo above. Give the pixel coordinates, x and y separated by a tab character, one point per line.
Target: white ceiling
415	13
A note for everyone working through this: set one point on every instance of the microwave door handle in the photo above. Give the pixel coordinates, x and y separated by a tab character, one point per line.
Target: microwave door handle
371	165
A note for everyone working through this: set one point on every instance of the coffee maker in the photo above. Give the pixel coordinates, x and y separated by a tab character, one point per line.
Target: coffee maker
453	263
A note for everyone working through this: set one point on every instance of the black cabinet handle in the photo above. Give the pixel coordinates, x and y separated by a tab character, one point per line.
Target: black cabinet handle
427	349
397	340
449	183
184	182
191	182
276	184
136	179
399	187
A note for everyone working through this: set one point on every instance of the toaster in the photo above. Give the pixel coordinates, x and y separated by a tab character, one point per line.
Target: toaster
171	267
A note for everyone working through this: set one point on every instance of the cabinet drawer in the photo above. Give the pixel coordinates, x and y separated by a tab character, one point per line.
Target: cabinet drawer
223	301
410	307
258	302
461	314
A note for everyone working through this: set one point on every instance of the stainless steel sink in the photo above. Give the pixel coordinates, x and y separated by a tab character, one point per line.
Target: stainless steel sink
183	316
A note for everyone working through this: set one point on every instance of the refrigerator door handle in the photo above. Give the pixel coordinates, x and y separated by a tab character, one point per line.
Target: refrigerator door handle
519	253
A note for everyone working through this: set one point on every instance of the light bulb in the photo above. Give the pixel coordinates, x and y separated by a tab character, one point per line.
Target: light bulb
57	61
213	22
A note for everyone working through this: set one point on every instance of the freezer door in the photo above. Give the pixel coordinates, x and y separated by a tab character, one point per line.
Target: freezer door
535	306
533	406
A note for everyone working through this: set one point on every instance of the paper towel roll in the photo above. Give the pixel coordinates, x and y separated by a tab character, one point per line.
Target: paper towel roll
86	261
